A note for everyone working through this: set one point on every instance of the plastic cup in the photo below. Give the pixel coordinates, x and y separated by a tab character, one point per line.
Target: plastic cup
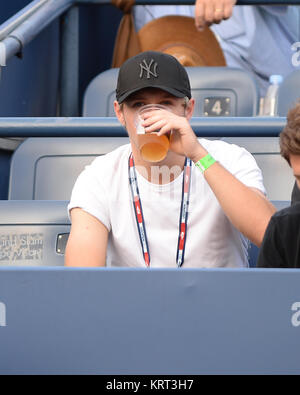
153	148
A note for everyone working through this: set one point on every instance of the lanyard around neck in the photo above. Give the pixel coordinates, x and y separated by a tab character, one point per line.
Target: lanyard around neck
137	205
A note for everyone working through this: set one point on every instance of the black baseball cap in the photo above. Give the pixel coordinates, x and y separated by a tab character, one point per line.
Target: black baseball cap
152	70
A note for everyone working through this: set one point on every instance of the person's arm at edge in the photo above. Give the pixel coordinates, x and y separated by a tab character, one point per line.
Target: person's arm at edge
212	11
87	243
247	208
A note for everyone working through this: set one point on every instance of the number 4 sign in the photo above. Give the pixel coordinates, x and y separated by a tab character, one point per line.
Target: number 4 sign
217	107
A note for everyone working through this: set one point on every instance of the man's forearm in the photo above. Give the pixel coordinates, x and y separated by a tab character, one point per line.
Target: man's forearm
247	209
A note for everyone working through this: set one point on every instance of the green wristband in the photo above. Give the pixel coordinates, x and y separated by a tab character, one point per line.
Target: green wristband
205	162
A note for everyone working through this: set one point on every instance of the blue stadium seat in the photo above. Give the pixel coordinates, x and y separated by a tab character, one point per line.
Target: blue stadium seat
288	93
47	168
219	91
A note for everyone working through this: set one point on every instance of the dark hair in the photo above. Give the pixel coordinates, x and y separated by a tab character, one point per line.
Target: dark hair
290	136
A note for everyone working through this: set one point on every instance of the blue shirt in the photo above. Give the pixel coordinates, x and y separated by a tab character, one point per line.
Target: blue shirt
258	39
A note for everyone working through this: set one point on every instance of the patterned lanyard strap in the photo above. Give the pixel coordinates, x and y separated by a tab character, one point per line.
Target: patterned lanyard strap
137	205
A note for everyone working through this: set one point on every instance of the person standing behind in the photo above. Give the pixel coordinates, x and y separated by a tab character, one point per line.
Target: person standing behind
295	194
281	243
257	39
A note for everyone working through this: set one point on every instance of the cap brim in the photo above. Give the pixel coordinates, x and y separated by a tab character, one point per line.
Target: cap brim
172	91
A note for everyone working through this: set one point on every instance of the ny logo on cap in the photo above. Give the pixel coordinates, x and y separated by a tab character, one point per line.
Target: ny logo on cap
147	68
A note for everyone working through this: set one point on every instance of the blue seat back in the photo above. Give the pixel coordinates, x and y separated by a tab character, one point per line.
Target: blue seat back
219	91
47	168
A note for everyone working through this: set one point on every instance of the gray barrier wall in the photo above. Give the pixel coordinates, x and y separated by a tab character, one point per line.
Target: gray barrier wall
181	321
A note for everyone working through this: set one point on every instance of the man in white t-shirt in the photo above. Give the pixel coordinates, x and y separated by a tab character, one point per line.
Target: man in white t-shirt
195	208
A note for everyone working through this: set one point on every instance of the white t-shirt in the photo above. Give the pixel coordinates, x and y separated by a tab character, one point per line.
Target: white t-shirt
103	190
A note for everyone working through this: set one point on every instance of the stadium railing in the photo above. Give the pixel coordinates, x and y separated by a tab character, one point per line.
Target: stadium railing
257	135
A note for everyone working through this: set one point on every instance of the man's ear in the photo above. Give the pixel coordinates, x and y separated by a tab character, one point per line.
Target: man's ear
190	109
119	113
